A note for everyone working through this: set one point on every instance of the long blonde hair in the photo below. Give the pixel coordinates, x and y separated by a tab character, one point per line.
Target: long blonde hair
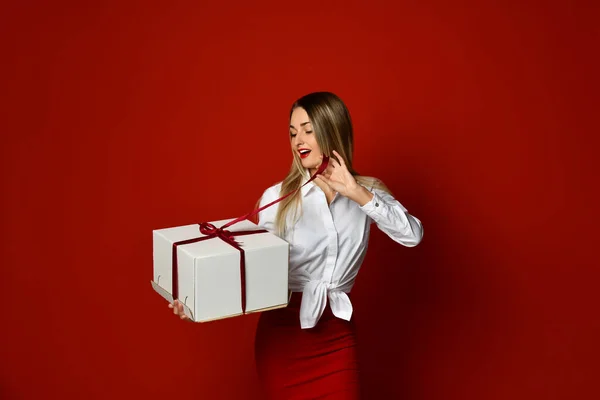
332	126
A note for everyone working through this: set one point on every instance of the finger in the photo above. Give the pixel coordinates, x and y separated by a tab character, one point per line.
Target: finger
332	185
170	305
341	160
334	163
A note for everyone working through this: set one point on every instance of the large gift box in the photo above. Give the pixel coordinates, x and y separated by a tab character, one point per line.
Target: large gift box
221	273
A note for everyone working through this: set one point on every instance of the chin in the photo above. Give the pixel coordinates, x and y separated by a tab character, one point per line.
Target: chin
309	164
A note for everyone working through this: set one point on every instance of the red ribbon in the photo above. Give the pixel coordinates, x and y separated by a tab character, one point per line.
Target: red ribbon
210	231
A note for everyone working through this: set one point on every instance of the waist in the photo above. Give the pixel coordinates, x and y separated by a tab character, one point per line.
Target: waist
296	300
299	284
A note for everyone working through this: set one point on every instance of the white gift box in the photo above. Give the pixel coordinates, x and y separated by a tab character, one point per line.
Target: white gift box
209	276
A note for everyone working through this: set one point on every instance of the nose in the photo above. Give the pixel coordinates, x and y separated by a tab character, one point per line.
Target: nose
299	139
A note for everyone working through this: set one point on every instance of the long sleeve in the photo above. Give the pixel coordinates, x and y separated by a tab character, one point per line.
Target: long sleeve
328	243
393	219
266	218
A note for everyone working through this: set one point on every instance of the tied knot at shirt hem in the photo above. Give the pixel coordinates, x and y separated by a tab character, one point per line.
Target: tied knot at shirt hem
314	300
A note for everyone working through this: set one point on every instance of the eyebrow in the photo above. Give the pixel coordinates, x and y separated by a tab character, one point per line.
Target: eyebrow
302	124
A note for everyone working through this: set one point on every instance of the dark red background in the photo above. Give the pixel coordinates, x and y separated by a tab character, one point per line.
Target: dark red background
119	119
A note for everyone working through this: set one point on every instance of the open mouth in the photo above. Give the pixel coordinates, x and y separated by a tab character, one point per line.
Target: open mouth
304	153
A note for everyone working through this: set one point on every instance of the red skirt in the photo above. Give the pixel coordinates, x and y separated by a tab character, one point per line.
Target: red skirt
295	363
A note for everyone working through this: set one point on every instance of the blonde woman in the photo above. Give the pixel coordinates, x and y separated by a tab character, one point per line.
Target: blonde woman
308	349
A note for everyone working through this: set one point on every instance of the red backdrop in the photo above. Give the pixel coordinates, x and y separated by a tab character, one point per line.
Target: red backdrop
119	119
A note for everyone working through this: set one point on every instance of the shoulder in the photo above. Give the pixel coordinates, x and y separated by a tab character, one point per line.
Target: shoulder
271	193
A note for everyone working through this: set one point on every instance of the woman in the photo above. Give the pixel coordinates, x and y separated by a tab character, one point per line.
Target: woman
308	349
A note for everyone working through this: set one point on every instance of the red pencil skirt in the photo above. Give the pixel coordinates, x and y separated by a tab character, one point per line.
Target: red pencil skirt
315	363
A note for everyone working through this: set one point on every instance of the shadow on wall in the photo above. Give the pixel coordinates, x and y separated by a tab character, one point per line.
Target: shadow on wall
419	310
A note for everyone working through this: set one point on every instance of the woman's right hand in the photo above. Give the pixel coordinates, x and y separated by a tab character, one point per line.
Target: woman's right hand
178	310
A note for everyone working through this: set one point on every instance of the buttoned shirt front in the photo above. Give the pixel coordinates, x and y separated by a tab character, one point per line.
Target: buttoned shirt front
328	244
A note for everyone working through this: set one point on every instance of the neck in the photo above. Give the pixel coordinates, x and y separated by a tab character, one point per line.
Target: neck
324	187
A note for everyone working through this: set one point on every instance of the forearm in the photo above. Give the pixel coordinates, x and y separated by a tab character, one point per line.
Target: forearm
393	219
360	195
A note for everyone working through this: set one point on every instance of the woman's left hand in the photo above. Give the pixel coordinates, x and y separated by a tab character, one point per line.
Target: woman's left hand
337	176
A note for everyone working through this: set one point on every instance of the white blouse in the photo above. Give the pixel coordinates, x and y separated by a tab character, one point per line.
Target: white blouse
328	244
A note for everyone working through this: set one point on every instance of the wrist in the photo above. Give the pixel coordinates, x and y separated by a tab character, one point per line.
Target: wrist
360	195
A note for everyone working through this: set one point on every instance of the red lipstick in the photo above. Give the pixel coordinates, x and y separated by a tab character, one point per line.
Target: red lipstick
303	153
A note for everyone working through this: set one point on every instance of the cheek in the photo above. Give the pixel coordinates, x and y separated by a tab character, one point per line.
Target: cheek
314	145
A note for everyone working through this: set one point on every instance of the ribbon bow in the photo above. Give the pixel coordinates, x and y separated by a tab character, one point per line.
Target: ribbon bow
208	229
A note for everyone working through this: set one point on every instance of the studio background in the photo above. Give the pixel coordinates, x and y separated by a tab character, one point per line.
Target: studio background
123	117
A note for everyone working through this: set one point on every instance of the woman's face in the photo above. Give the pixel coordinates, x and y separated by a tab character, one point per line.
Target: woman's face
303	140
